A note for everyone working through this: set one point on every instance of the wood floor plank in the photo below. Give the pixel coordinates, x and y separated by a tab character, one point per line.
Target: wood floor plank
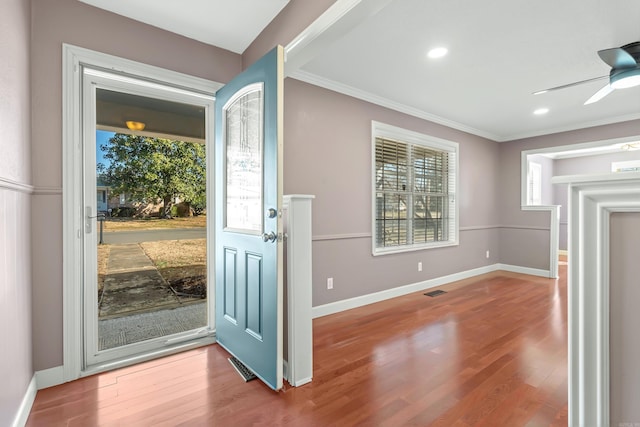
490	352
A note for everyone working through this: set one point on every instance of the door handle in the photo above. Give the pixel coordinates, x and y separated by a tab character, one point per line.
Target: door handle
87	222
269	237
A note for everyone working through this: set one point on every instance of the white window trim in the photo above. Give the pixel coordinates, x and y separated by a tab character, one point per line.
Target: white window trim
626	166
383	130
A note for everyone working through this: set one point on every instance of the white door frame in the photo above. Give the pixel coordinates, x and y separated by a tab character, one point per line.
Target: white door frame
74	60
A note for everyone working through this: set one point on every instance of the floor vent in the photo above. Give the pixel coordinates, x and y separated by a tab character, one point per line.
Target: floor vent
240	367
435	293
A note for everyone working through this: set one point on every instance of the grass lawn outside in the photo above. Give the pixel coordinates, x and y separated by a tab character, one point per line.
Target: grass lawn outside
127	224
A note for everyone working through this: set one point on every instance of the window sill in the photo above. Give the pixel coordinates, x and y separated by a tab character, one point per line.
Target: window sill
411	248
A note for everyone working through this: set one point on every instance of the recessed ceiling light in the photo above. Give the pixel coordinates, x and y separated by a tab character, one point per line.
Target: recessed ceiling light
541	111
437	52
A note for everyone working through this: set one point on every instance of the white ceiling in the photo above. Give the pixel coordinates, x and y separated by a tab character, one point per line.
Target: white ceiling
231	25
500	51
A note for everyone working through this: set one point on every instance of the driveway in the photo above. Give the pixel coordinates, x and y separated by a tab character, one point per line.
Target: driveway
123	237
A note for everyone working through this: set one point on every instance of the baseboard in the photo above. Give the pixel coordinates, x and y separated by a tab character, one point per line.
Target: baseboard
26	404
347	304
49	377
302	382
524	270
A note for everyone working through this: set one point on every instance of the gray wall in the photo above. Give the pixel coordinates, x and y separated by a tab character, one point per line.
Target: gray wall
580	166
16	368
624	302
328	154
73	22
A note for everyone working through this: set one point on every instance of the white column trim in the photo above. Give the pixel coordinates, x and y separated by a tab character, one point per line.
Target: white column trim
592	199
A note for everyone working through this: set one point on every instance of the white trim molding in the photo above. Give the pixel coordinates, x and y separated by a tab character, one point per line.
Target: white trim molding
355	302
592	198
47	191
10	184
26	404
524	270
340	18
49	377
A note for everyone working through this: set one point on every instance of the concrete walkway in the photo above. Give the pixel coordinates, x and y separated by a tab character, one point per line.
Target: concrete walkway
136	303
132	284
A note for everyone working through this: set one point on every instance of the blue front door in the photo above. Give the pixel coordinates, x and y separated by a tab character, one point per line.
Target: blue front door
248	149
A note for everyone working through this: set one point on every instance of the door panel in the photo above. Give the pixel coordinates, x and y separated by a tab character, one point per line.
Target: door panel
249	197
134	303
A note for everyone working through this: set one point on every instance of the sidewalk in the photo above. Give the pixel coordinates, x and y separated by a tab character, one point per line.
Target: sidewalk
133	284
136	303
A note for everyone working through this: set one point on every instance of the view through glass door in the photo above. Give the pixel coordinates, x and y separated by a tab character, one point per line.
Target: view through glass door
146	197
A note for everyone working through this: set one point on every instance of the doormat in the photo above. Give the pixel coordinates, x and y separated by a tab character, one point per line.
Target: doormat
240	367
435	293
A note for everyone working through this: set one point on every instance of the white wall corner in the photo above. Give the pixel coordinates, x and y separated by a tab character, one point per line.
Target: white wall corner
49	377
27	403
524	270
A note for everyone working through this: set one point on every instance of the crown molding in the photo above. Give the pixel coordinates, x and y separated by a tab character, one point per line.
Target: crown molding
568	128
387	103
344	89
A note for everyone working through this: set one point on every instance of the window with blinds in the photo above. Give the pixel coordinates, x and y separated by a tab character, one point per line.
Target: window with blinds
414	191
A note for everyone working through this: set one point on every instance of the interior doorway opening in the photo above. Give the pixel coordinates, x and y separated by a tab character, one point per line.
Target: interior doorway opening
541	165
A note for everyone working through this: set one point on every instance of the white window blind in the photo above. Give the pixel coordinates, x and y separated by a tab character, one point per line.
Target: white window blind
414	192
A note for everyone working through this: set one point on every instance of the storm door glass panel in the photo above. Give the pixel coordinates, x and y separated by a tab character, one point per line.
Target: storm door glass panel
243	121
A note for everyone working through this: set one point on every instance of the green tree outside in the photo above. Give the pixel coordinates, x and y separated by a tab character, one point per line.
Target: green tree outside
153	170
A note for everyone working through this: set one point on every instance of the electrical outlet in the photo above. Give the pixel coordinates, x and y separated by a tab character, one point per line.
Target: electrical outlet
487	254
330	283
420	266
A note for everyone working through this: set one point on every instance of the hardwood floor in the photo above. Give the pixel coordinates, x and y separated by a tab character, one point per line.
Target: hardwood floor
492	351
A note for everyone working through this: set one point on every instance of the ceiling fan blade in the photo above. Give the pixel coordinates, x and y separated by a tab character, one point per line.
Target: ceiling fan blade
599	94
617	58
570	85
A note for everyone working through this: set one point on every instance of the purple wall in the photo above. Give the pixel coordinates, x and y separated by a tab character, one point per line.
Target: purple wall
624	300
16	368
328	154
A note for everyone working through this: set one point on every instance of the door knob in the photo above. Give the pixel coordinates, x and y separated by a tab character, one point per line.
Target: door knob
269	237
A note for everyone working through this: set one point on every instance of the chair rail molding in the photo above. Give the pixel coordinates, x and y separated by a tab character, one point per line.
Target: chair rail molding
592	199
